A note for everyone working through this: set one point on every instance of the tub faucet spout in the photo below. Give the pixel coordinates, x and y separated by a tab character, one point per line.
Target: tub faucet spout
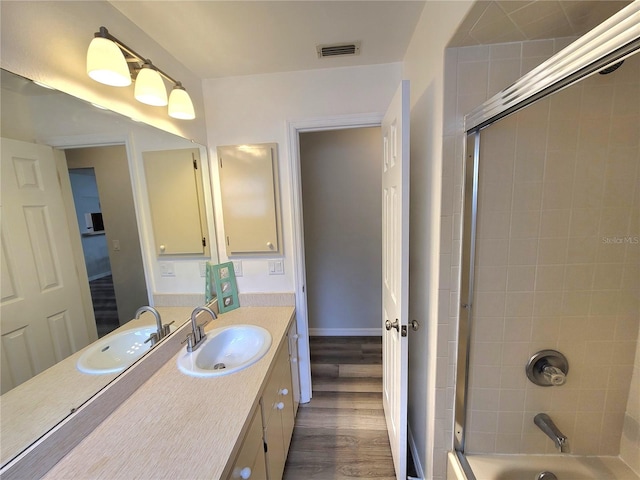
544	423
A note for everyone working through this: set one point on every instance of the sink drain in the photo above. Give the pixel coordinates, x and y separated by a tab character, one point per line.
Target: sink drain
546	476
219	366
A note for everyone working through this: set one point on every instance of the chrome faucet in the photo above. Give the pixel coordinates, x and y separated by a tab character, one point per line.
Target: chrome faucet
544	423
197	335
162	330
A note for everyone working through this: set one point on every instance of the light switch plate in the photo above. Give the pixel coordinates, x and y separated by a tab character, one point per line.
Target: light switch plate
237	267
276	267
167	269
203	269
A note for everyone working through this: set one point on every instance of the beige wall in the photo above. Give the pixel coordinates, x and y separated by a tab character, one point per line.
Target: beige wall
341	177
557	262
424	67
116	200
257	109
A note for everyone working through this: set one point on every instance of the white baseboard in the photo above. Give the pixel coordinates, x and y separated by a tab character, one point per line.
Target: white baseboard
345	332
414	454
99	275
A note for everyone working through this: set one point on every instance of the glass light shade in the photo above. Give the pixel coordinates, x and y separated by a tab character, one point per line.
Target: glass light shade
150	88
180	105
106	63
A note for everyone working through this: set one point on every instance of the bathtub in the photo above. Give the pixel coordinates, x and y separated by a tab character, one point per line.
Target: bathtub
527	467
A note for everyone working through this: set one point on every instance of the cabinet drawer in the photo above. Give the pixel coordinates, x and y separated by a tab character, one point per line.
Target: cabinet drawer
251	456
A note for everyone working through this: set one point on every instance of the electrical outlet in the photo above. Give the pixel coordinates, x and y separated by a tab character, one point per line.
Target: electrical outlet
167	269
276	267
116	245
237	267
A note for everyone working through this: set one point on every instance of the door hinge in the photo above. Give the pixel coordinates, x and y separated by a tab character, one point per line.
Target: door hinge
228	242
195	162
220	162
266	449
204	241
403	331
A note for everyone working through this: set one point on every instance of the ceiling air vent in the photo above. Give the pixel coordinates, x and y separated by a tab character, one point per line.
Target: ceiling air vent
338	49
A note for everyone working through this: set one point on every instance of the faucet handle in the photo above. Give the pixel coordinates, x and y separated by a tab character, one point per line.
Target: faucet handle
201	334
166	330
190	341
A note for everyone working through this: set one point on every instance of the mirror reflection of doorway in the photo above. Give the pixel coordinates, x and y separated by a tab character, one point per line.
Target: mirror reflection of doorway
108	166
86	199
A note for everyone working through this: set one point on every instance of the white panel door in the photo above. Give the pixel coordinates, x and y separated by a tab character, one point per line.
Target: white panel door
395	273
41	311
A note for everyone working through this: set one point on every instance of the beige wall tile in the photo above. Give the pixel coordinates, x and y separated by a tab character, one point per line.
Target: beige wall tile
556	262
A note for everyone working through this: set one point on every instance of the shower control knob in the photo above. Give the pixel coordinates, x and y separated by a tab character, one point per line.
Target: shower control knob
548	368
554	375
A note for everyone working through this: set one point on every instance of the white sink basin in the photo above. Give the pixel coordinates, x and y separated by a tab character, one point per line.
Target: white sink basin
116	352
226	350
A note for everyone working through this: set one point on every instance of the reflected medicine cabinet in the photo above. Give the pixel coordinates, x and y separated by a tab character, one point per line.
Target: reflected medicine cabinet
250	199
176	199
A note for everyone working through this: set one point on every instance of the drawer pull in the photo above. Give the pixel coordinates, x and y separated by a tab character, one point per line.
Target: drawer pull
280	405
284	391
245	473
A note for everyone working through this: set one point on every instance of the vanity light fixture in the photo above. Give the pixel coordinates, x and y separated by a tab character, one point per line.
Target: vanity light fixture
149	87
180	105
111	62
105	61
43	85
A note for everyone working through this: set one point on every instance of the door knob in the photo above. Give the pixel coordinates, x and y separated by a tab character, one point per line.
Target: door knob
388	325
415	325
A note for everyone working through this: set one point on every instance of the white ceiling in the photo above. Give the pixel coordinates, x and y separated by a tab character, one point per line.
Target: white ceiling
228	38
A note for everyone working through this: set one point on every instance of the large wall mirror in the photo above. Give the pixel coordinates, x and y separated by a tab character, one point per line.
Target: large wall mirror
74	196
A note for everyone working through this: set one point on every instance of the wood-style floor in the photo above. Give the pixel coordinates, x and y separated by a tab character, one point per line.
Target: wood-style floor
103	297
341	434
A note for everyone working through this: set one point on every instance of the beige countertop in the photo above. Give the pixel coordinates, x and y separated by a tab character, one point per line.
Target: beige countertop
176	426
32	408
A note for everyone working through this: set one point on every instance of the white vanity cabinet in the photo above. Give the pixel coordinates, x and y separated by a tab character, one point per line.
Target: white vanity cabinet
250	462
265	446
278	414
292	337
176	199
250	198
